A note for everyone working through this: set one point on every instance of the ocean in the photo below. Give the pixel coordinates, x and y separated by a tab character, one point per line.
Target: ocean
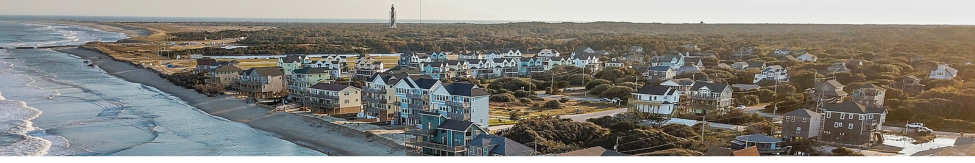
51	104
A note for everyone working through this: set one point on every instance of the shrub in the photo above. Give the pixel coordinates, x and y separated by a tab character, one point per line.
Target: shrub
563	100
553	104
597	82
521	93
504	97
526	101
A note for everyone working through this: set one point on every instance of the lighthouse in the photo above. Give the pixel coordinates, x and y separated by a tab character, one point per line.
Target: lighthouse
392	17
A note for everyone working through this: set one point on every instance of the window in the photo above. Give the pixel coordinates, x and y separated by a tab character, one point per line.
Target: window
871	116
346	93
793	119
851	116
827	114
798	130
804	119
863	116
851	126
837	125
346	101
842	115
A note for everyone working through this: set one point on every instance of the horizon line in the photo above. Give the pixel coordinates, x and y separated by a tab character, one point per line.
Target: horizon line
420	21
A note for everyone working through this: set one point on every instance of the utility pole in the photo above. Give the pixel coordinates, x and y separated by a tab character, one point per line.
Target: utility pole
775	107
616	147
704	124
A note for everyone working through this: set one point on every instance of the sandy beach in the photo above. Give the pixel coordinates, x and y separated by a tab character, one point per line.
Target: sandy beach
319	133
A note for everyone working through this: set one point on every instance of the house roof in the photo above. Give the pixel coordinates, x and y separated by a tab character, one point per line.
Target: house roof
655	90
758	138
502	145
265	71
714	87
852	107
228	68
724	65
330	87
684	81
750	151
455	125
594	151
869	85
425	83
205	61
312	70
791	58
659	68
802	113
755	63
834	92
465	89
292	58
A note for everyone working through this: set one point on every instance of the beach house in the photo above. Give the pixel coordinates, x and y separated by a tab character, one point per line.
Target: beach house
548	53
869	95
829	91
262	83
336	100
852	123
292	62
709	96
225	75
943	72
300	79
366	66
801	124
656	99
438	135
774	72
491	145
380	100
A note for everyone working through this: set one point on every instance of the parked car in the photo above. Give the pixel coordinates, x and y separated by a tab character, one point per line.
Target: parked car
605	100
741	107
914	125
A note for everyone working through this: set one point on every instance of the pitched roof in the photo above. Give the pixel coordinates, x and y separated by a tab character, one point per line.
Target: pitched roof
455	125
292	58
205	61
465	89
684	81
312	70
758	138
502	145
714	87
655	90
802	113
594	151
869	85
659	68
425	83
641	68
755	63
265	71
330	87
228	68
750	151
852	107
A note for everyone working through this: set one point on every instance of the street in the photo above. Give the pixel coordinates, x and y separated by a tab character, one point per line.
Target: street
758	109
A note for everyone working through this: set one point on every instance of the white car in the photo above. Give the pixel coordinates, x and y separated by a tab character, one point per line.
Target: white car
741	107
914	125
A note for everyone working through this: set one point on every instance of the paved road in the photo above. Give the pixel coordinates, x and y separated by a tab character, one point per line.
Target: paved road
758	109
583	117
569	97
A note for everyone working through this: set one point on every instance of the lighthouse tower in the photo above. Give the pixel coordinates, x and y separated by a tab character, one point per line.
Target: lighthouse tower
392	17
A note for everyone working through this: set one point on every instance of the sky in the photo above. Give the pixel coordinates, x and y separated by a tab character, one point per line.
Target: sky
665	11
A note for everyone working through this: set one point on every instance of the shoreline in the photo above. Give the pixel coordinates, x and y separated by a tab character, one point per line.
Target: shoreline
314	133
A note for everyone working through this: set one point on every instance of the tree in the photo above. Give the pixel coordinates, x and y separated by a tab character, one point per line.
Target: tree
563	131
553	104
505	97
621	92
597	82
515	115
679	130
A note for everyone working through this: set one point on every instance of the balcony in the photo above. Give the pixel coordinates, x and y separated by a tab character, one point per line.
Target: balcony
458	104
417	96
435	146
328	96
459	116
378	110
417	106
375	90
376	100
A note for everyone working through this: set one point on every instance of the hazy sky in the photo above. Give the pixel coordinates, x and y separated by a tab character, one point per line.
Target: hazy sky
666	11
